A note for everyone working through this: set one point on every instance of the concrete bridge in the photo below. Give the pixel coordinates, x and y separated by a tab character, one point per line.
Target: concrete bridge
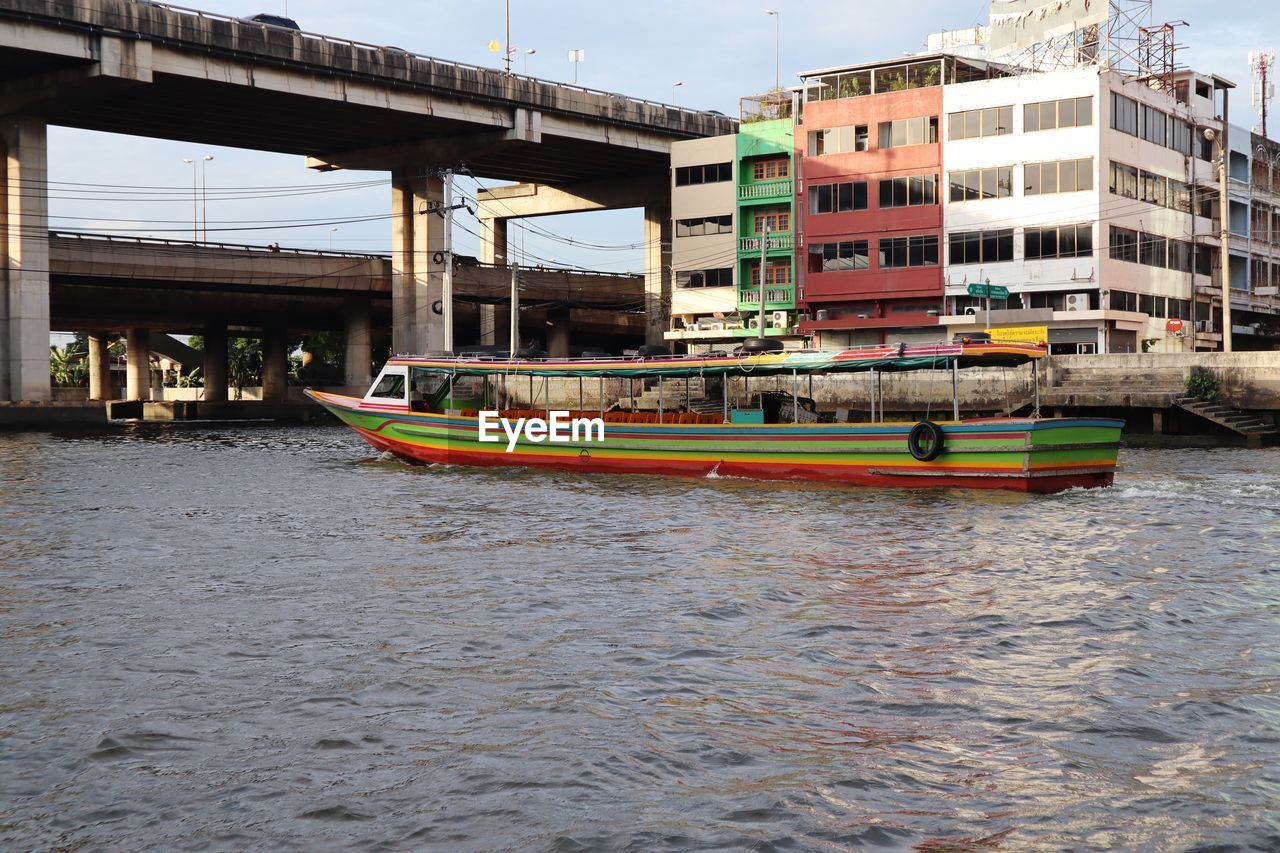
154	70
140	287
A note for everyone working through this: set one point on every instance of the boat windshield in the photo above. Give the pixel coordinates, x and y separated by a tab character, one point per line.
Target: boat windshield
390	385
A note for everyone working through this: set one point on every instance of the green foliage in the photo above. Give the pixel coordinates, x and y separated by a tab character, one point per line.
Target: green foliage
193	379
1149	343
67	368
1203	385
244	363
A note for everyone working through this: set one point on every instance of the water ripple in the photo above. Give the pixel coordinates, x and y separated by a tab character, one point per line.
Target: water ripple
240	638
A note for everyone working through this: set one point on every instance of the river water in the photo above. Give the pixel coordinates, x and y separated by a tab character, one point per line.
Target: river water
230	637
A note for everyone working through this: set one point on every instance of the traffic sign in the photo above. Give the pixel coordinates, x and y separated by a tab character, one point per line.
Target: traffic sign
1174	325
995	291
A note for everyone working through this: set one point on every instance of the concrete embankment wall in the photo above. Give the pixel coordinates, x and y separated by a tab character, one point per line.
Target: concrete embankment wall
1246	380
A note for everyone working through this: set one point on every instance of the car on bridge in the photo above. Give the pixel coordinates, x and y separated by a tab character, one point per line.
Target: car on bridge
269	20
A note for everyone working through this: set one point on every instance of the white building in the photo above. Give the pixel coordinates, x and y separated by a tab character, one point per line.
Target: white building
1082	192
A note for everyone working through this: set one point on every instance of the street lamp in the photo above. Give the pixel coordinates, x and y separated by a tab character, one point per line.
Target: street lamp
204	195
777	43
674	86
530	52
1224	236
195	202
331	230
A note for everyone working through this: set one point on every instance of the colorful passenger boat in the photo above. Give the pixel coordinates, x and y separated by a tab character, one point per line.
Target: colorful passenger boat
459	411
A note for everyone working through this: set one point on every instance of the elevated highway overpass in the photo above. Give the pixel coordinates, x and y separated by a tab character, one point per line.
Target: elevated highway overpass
138	287
163	71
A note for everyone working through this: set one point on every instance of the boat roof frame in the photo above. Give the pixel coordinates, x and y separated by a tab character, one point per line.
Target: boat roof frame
891	358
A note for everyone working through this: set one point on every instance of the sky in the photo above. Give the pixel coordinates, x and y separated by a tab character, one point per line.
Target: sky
718	49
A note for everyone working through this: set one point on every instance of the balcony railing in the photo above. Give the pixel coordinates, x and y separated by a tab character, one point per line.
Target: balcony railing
778	297
766	189
781	240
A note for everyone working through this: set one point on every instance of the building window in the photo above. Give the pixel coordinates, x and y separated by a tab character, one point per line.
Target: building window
1051	115
980	247
768	170
898	252
1060	241
1058	176
776	272
838	140
777	220
1124	114
718	277
973	124
1124	180
838	198
908	131
1153	250
911	191
845	256
974	184
1131	182
704	225
1124	244
710	174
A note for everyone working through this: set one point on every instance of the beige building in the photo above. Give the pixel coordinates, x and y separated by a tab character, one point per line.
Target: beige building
704	301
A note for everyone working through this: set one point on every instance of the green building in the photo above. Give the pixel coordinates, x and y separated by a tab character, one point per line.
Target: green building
766	194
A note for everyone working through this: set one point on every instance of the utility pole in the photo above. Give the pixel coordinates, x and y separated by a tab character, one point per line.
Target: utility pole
506	47
988	283
514	339
764	248
1224	236
446	294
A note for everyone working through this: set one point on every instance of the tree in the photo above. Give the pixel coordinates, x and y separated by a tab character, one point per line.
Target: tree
67	368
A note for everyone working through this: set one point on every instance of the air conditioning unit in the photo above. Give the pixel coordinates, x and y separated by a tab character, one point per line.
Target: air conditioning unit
1075	302
715	327
971	312
692	327
779	320
821	314
753	323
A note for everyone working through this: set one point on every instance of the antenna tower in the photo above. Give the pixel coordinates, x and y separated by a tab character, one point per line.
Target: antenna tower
1262	62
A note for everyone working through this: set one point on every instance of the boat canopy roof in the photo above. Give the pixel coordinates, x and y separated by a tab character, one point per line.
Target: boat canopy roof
893	358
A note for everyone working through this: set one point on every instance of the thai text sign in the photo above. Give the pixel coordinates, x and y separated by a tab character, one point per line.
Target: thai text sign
1021	334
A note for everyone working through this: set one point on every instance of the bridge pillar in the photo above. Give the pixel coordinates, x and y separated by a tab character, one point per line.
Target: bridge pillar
215	362
99	368
493	250
417	269
657	272
24	260
275	364
359	351
558	334
138	370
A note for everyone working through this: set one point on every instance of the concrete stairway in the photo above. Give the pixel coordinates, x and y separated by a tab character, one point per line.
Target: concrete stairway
1238	422
673	395
1104	386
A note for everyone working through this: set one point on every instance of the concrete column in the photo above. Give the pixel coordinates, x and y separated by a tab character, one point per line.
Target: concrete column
1157	422
558	335
359	353
24	260
138	372
99	368
493	250
417	271
657	272
275	364
215	362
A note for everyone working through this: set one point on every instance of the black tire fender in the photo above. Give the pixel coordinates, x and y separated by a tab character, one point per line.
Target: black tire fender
924	442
